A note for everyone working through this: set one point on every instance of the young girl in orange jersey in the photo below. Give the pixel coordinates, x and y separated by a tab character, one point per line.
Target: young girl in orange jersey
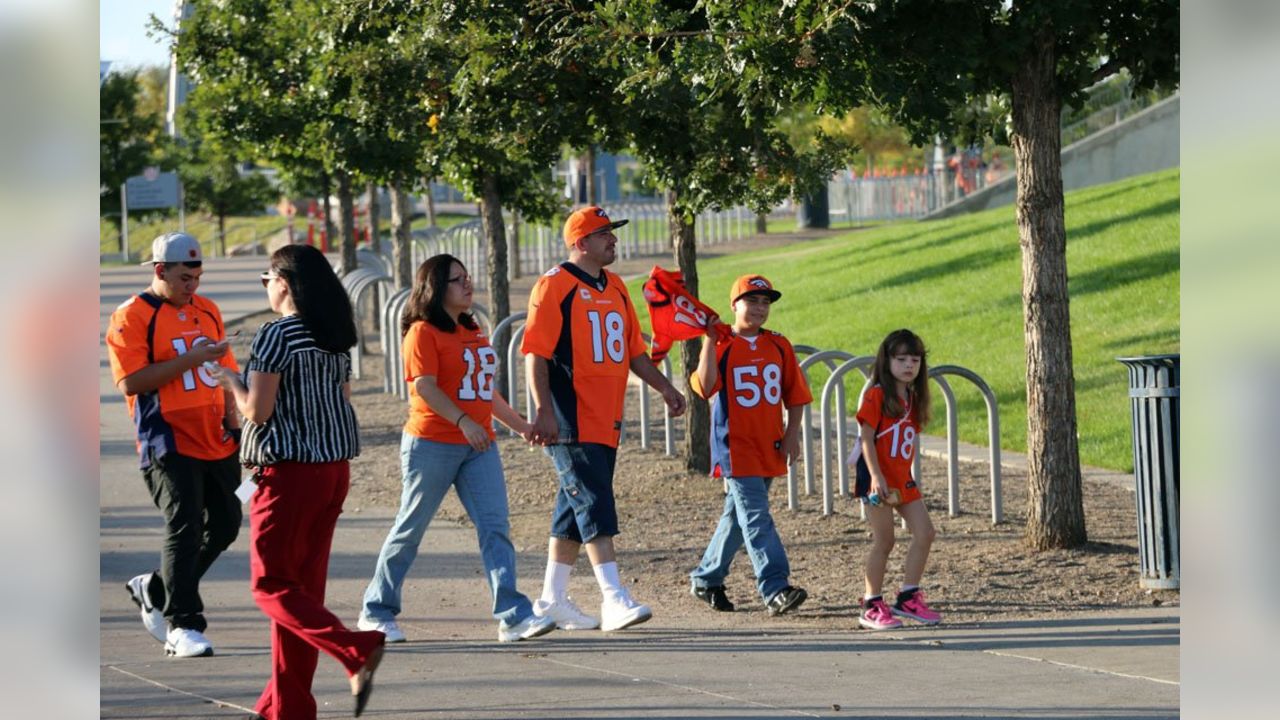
892	413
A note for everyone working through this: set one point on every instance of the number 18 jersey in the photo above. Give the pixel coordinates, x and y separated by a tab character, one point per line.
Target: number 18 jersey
759	377
463	364
587	330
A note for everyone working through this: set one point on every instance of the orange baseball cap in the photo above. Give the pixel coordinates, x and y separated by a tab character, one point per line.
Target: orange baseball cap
753	285
584	221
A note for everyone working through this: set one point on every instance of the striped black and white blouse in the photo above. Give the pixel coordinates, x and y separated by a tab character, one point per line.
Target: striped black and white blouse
313	421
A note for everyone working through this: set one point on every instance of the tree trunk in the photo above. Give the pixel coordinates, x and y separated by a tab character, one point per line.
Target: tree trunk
697	456
762	223
1055	518
431	206
495	237
401	239
589	169
515	245
222	234
327	183
375	233
346	221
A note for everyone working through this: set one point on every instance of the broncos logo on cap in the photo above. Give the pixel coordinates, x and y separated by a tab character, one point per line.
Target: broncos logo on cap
760	283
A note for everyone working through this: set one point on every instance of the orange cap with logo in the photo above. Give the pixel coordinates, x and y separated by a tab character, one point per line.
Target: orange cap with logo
753	285
584	221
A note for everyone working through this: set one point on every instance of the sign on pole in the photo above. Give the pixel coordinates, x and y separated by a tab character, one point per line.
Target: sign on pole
152	189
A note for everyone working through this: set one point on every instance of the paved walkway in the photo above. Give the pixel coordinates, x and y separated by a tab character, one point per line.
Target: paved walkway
1117	664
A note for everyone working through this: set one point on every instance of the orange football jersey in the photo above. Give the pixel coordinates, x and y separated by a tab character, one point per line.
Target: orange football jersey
463	364
184	415
896	438
759	377
587	330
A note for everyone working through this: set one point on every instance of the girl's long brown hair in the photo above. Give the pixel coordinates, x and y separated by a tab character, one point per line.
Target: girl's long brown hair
426	299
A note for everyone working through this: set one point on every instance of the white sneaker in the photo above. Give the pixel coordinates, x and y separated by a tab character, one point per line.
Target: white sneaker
152	617
184	643
386	627
619	611
565	613
531	627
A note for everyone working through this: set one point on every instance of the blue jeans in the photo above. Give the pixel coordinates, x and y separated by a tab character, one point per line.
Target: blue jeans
430	469
745	521
584	507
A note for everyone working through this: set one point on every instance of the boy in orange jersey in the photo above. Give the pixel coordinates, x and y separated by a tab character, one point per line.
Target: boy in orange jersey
749	376
581	341
188	435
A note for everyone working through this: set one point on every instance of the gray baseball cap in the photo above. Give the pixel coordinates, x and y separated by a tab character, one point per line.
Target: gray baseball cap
175	247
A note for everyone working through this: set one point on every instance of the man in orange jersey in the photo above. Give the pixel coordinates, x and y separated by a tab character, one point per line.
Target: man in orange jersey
188	435
581	341
750	375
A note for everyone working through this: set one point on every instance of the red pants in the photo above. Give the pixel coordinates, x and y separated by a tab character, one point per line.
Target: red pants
291	523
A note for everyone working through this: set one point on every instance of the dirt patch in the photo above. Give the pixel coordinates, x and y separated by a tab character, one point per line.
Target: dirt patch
976	572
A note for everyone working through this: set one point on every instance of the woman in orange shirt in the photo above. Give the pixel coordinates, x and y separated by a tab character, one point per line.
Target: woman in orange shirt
448	442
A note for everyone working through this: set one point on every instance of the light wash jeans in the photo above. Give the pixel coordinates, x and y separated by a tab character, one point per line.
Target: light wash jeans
430	469
745	521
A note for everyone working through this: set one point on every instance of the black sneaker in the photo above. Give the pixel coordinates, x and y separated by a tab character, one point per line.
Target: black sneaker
715	597
787	599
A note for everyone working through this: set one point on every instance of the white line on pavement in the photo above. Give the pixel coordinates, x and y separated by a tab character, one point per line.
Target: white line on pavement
1083	667
170	688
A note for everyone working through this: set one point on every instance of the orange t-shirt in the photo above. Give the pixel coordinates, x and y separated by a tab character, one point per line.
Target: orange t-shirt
463	364
758	378
184	415
896	438
587	330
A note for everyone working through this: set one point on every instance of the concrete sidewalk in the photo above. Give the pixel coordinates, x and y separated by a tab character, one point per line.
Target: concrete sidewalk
1117	664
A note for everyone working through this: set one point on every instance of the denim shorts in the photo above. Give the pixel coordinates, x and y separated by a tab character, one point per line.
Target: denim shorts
584	503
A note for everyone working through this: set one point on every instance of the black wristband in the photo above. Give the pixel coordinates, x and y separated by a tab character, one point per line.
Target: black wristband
458	422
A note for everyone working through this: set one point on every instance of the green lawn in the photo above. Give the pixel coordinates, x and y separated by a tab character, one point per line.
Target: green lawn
957	283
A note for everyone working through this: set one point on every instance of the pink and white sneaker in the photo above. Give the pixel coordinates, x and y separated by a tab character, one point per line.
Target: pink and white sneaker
912	605
877	616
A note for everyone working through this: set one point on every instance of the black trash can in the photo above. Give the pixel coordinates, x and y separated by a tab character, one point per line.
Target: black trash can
814	211
1154	399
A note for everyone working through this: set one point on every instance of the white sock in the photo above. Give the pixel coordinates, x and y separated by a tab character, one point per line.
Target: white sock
908	588
555	585
607	576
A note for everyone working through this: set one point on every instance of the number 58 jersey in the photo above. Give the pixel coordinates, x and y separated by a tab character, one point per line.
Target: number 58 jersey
586	329
759	377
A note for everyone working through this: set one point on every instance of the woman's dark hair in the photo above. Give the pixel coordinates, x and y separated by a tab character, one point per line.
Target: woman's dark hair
902	342
322	302
426	300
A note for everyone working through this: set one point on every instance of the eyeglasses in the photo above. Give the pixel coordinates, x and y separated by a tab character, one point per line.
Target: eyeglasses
267	277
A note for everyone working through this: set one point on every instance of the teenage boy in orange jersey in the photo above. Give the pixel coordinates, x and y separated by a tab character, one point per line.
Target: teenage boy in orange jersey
188	435
581	340
749	376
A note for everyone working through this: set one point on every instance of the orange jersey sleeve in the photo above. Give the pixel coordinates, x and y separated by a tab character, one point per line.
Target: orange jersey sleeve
463	365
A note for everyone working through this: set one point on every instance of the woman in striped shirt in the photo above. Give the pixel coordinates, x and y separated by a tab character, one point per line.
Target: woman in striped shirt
300	432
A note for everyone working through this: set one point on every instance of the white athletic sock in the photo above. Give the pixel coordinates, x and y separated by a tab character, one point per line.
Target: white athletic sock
555	584
908	588
607	576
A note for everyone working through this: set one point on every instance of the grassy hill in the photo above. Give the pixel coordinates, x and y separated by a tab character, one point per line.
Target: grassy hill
957	283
